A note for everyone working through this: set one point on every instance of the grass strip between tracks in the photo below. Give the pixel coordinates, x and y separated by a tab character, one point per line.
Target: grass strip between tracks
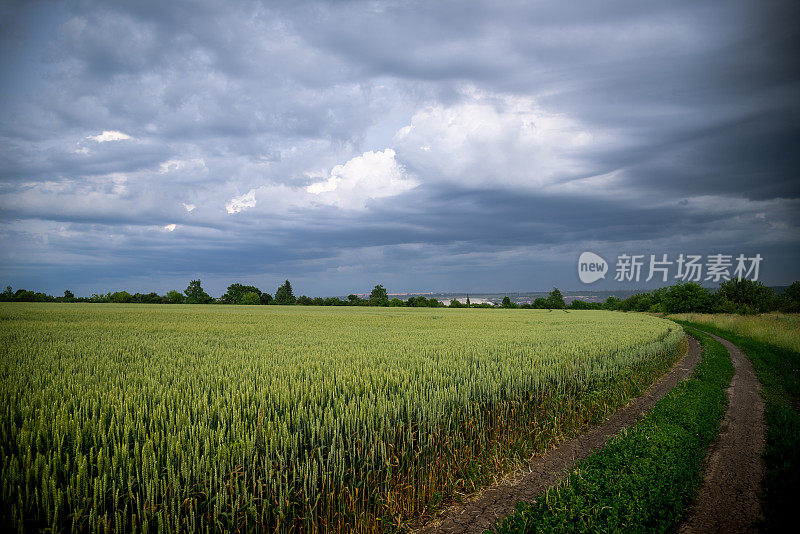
643	479
778	370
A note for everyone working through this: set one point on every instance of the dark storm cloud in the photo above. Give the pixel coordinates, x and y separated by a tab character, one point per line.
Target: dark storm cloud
450	145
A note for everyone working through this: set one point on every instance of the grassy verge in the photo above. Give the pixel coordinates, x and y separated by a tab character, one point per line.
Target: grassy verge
643	479
779	329
778	369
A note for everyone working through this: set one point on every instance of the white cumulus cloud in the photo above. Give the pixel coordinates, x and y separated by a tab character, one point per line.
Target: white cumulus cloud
241	203
491	139
372	175
178	164
170	227
189	207
109	135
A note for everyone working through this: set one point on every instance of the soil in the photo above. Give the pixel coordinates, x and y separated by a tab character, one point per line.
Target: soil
729	498
482	510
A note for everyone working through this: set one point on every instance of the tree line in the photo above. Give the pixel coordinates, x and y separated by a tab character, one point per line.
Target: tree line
733	296
744	297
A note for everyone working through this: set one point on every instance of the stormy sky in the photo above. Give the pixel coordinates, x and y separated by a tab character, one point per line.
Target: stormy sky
453	146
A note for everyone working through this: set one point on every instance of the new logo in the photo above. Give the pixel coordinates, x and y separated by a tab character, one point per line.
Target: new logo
591	267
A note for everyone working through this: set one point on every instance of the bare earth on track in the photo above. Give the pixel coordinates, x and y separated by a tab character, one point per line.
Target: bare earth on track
482	510
729	498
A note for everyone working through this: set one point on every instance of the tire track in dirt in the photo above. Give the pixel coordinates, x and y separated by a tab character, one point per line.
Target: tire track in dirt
728	500
482	510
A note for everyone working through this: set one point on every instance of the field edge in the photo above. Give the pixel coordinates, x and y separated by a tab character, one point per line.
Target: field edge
657	464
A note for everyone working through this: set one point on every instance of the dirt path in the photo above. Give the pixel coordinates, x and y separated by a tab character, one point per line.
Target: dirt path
482	510
729	498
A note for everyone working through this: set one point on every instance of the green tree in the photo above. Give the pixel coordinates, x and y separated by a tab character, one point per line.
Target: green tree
251	297
265	298
789	300
506	302
237	291
468	300
121	297
611	303
175	297
147	298
396	302
579	304
355	300
791	293
539	303
555	300
195	294
637	302
746	295
23	295
379	296
422	302
686	297
284	294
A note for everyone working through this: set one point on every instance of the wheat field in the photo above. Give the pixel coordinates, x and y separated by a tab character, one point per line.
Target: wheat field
287	418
